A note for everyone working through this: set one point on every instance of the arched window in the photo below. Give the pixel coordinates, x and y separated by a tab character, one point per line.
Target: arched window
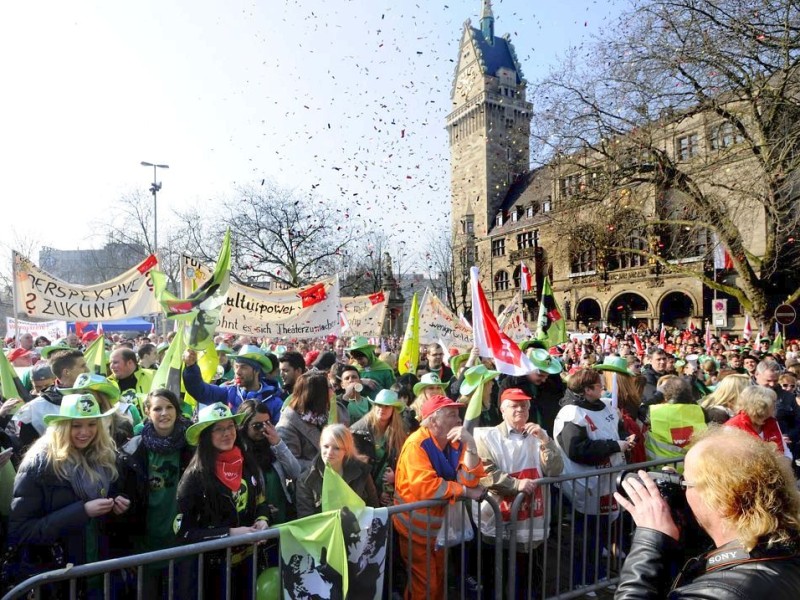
500	281
517	277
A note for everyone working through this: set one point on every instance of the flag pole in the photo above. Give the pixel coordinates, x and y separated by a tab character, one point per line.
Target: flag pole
14	298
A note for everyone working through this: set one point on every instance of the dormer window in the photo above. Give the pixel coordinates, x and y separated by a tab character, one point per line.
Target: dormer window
499	219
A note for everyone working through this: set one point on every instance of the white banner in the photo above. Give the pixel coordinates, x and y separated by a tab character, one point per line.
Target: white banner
307	312
437	323
52	330
512	321
365	314
39	294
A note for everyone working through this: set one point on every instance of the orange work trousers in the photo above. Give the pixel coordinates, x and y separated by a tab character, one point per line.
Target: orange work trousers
426	569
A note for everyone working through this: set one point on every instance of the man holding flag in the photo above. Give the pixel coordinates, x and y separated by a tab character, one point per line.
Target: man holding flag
439	461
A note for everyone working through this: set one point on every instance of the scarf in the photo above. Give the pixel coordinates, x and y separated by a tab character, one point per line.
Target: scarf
88	489
174	442
315	419
228	468
770	429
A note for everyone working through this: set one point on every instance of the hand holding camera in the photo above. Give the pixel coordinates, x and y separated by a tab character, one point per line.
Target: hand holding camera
646	502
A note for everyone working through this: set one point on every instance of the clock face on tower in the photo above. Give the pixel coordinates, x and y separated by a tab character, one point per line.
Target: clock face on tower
467	82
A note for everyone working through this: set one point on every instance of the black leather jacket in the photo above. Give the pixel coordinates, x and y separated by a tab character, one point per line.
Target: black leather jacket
727	573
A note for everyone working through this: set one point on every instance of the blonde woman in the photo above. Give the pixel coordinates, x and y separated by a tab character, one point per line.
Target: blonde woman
379	435
65	488
338	451
756	415
720	405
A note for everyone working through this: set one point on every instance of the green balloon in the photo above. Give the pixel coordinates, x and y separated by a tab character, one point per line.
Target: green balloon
268	584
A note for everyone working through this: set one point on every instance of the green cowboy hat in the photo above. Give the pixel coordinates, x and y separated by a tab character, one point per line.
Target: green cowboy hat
388	398
77	406
474	377
428	380
48	350
225	349
617	364
544	361
209	415
360	343
96	383
531	344
457	361
255	354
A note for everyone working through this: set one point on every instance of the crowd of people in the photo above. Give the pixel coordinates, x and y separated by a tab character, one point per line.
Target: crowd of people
101	465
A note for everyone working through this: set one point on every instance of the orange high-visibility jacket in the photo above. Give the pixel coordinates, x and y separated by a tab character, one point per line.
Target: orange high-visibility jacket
415	480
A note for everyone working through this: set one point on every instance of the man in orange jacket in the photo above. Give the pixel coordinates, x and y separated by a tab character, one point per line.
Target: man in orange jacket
439	461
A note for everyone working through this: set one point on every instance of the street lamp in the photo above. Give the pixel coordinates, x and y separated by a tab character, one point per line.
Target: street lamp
154	189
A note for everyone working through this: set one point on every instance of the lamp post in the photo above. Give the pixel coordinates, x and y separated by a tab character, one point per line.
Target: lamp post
154	189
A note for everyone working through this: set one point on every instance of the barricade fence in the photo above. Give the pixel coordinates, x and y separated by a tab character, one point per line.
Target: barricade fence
543	548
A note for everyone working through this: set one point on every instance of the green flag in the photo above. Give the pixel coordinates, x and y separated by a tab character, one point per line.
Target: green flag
337	494
9	381
409	353
313	551
777	344
95	355
552	328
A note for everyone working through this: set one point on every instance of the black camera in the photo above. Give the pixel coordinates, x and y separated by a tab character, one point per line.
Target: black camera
667	482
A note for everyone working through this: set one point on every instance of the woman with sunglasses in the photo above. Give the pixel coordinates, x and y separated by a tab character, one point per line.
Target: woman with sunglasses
151	464
277	463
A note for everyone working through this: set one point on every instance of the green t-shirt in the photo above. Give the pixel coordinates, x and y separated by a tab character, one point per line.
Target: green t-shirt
357	409
163	474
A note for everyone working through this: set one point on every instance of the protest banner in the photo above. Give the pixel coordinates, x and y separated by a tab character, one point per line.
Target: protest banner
52	330
512	321
39	294
365	315
438	324
312	311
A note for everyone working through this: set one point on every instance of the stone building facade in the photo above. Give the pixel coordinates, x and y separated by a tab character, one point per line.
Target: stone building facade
504	213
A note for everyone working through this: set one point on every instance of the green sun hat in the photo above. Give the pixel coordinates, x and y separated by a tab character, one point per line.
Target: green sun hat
428	380
545	362
476	376
209	415
225	349
77	406
532	344
48	350
256	354
388	398
96	383
457	361
360	343
616	364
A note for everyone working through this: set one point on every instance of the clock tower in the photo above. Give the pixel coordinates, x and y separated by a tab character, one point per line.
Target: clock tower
489	134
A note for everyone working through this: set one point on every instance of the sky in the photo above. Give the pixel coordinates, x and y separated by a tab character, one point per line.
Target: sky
344	99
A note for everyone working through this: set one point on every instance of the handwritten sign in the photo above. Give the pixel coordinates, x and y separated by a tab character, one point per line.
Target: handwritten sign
438	323
365	314
39	294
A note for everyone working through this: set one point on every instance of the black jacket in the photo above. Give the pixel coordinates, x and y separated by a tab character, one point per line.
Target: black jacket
648	572
575	441
208	514
133	471
787	412
46	511
356	473
651	377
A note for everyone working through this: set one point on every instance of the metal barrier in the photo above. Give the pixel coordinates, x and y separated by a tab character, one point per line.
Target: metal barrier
461	555
597	554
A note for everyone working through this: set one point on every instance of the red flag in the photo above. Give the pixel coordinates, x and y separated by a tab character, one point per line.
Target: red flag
147	264
377	298
639	347
489	339
747	333
662	336
525	283
313	295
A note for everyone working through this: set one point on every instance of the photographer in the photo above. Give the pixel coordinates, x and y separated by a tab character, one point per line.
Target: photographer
743	495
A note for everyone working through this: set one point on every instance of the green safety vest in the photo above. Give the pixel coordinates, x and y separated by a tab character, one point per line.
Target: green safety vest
671	428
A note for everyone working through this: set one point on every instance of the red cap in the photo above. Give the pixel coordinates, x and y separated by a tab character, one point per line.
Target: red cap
89	337
514	394
434	403
310	357
17	353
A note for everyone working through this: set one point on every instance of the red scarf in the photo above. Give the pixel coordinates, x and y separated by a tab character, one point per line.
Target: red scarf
229	468
770	429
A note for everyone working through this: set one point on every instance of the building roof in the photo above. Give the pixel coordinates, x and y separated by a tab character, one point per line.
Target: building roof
497	55
532	187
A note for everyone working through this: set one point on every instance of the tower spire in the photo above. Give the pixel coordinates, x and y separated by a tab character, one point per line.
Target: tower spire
487	22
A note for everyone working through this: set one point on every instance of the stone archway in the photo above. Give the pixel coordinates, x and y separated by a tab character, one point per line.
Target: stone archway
675	309
628	310
588	313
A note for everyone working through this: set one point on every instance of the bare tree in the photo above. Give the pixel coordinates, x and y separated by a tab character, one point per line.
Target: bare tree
438	260
682	132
